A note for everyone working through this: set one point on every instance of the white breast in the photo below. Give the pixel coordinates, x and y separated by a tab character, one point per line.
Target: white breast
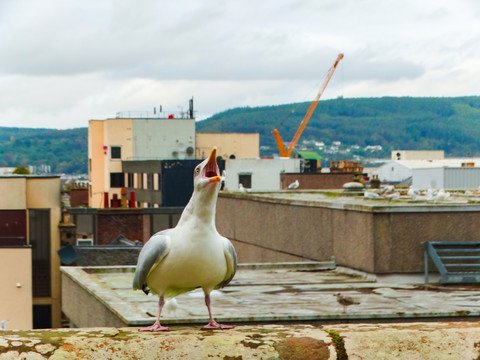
192	262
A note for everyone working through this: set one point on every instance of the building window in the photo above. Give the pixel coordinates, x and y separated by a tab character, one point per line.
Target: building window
245	180
39	234
115	152
42	316
150	181
117	180
131	184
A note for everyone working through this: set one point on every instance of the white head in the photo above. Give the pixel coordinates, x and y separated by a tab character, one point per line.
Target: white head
207	173
206	185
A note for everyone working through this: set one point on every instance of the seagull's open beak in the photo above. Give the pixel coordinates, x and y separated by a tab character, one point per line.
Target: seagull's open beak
211	169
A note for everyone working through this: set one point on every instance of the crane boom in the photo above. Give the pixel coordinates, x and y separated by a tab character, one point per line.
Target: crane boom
281	147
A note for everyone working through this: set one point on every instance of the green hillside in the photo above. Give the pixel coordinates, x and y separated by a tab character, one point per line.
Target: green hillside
64	150
405	123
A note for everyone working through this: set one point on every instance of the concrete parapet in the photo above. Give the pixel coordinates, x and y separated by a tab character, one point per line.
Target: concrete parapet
379	237
455	340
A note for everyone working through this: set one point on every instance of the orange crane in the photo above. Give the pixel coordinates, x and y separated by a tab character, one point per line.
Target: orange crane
281	147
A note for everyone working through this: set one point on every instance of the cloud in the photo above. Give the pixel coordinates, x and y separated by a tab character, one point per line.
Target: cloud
66	61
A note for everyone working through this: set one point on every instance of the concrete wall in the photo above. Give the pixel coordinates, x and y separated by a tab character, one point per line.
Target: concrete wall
160	138
375	239
85	310
13	193
272	232
242	146
421	340
107	255
16	285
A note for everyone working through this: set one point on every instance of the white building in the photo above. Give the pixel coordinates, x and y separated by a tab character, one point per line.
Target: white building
451	178
7	170
445	173
258	174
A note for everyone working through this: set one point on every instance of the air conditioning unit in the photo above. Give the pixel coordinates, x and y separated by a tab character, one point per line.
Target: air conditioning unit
84	242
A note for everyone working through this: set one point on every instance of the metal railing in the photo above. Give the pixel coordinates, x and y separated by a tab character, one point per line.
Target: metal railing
455	261
152	115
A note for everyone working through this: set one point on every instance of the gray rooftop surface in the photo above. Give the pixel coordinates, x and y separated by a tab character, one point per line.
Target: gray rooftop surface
296	292
458	200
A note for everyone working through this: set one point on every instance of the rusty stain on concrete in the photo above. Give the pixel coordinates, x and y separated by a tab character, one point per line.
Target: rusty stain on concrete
300	348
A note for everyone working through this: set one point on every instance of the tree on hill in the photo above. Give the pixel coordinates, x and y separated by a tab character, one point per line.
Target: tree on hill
21	170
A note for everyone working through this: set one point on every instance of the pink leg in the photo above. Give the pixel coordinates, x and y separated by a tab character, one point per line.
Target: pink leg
156	326
212	324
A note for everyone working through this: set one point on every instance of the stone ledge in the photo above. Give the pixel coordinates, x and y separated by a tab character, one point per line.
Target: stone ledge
448	340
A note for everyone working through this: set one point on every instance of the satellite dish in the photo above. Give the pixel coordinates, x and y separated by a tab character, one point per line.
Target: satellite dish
67	254
175	154
190	151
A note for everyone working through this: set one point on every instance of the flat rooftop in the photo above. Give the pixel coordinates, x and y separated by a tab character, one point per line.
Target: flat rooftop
457	201
285	292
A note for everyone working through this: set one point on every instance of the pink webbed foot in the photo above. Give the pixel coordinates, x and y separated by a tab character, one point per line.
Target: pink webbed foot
213	325
154	328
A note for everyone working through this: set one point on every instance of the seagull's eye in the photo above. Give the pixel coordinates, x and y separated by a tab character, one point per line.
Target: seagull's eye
197	171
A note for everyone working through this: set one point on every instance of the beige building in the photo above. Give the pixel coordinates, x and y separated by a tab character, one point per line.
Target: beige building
230	145
418	155
113	142
30	212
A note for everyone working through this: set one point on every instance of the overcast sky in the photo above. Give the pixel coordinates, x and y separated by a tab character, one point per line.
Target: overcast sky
64	62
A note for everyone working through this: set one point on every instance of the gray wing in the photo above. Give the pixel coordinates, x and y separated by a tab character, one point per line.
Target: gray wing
231	258
152	253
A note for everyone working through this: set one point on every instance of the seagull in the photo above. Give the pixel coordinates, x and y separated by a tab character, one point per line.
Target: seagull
294	185
387	189
413	193
392	196
191	255
243	189
441	195
431	194
370	195
345	301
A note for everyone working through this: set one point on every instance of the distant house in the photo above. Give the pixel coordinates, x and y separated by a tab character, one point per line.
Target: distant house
258	174
312	161
417	155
